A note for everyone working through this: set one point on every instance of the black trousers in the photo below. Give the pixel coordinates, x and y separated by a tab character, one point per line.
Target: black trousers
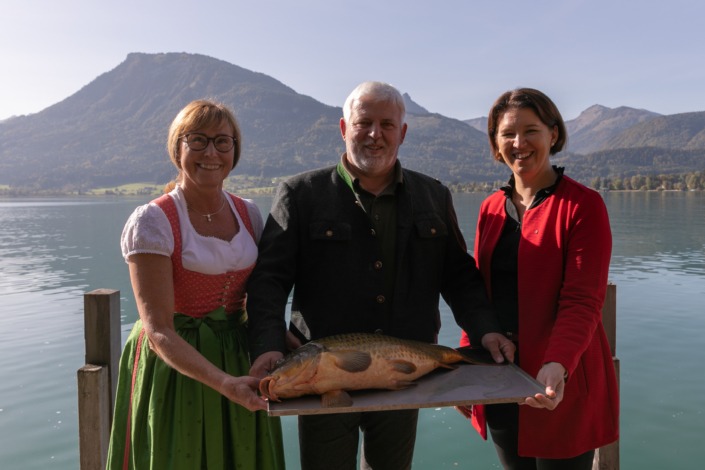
503	422
331	441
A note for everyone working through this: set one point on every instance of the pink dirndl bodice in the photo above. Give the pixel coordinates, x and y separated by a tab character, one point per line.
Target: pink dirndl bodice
197	294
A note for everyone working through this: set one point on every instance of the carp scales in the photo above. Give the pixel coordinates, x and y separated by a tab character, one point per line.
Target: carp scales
330	366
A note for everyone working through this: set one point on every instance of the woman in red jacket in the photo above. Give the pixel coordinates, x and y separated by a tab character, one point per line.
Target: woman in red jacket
543	245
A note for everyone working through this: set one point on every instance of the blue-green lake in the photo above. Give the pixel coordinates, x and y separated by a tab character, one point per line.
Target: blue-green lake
52	251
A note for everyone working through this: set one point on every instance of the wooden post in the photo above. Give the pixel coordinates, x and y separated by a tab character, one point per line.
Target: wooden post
609	317
607	457
97	380
93	416
102	333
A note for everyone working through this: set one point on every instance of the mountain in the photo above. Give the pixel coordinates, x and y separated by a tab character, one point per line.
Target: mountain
412	107
113	132
595	127
478	123
677	131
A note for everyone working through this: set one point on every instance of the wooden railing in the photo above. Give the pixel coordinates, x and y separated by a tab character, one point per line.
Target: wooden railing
97	380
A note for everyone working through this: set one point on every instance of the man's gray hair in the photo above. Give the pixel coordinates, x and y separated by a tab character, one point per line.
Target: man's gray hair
381	91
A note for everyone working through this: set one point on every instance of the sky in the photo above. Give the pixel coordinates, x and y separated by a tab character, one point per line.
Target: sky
453	57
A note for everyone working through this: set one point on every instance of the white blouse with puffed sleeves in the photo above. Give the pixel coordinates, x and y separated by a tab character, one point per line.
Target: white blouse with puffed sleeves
148	231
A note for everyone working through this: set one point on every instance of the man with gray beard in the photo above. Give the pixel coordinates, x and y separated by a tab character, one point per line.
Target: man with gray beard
367	246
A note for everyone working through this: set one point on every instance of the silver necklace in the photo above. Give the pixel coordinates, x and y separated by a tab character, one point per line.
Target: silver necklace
207	216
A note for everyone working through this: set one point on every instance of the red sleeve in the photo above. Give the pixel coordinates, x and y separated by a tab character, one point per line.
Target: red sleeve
586	268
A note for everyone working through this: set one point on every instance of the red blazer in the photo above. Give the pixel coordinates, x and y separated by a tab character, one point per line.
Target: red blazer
564	257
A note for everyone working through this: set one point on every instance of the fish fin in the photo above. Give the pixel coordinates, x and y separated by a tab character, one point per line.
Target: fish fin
351	360
447	366
336	399
405	367
402	384
476	355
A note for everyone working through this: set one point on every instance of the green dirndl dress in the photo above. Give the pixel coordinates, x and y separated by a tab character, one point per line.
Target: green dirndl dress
165	420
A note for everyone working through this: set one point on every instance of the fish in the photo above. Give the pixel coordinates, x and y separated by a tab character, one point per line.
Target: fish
334	365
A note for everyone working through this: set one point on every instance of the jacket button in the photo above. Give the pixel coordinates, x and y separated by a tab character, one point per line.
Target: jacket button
380	299
329	233
378	265
433	231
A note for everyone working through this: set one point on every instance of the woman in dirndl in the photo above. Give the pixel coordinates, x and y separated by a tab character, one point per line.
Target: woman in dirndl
184	400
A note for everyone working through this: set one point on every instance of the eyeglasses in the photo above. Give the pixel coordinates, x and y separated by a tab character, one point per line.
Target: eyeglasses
222	143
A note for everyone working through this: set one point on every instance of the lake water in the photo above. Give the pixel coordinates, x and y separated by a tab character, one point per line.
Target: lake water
52	251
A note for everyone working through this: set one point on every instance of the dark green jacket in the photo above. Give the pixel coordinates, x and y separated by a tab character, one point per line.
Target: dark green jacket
318	241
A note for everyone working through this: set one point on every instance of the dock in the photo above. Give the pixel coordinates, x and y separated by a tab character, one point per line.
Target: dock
97	379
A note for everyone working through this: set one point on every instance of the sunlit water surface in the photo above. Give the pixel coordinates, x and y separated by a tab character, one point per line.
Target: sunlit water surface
53	251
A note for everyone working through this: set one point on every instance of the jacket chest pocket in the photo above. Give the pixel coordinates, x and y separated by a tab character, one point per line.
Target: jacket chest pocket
429	228
330	231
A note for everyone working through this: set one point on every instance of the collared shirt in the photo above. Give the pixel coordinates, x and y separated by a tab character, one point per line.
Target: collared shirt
381	211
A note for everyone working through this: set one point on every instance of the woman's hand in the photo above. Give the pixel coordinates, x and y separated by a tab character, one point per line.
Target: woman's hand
552	375
499	346
243	391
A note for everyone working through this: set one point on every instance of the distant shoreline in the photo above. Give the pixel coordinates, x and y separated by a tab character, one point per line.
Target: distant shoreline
11	194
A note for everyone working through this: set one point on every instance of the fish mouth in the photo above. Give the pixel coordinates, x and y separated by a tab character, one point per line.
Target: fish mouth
266	388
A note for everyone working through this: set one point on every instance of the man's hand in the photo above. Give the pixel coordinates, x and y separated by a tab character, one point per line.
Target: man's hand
292	342
265	364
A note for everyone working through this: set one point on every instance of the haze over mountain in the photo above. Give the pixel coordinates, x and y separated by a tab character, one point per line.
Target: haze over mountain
113	131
